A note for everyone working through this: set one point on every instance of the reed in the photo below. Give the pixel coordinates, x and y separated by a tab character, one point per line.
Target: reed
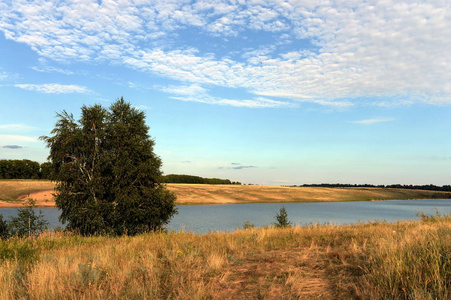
404	260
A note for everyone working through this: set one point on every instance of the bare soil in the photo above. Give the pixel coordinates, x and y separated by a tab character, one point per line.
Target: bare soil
275	275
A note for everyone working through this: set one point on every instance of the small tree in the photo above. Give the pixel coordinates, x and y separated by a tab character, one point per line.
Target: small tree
4	230
27	222
108	179
282	218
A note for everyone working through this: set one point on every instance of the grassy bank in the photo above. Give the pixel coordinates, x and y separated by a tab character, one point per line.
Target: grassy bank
405	260
15	191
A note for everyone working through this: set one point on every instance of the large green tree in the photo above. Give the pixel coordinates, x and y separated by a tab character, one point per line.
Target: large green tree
108	177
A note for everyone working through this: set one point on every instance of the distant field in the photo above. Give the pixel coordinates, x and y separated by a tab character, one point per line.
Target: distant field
13	192
228	194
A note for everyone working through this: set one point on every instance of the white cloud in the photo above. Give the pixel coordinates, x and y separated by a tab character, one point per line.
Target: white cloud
142	107
365	49
250	103
333	103
191	90
15	127
54	88
282	94
373	121
254	103
50	69
8	139
3	76
196	93
393	103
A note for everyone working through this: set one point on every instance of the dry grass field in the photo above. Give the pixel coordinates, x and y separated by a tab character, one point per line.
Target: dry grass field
403	260
229	194
14	192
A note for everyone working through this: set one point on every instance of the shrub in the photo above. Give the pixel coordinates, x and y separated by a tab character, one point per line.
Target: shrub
4	230
248	225
27	222
282	218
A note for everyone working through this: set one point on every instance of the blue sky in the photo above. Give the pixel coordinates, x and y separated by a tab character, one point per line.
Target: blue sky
264	92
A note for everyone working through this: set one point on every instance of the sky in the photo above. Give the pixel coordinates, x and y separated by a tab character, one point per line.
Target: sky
262	92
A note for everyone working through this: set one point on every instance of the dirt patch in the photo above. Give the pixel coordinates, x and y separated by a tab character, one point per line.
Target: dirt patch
277	274
42	198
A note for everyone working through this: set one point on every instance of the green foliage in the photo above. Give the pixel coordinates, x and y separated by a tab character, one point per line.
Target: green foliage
27	222
108	177
248	225
17	249
46	169
282	218
19	169
4	230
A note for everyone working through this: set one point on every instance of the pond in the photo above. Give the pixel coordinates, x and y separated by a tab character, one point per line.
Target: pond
228	217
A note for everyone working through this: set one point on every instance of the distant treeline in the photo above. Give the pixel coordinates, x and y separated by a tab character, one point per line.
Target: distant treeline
23	169
175	178
27	169
430	187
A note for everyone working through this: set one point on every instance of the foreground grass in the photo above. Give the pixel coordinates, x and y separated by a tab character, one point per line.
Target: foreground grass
404	260
12	191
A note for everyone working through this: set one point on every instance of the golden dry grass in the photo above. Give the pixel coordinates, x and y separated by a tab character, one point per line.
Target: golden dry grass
14	192
405	260
228	194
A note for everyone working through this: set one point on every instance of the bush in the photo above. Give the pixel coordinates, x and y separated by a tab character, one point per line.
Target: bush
248	225
27	222
4	230
282	218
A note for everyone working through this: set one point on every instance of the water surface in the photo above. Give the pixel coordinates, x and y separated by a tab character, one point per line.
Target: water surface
228	217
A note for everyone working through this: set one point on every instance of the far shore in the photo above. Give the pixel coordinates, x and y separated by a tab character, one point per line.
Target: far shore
14	193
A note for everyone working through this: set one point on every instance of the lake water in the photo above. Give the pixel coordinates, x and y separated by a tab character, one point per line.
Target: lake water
228	217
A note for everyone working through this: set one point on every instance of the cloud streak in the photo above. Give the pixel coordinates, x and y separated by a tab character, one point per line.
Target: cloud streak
12	139
13	147
16	127
373	121
54	88
238	166
196	93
